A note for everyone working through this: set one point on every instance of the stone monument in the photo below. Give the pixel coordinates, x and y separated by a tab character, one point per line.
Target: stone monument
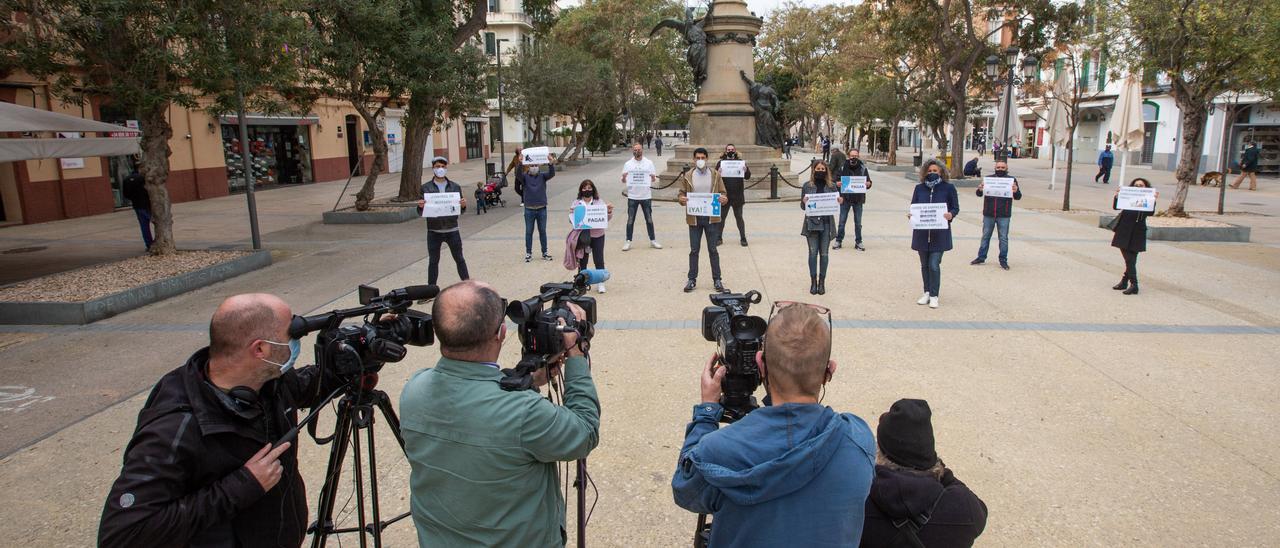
731	107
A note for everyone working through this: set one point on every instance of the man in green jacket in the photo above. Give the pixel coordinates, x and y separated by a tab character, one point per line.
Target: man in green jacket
483	460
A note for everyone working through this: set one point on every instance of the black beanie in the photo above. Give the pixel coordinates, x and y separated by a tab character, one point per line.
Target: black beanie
905	434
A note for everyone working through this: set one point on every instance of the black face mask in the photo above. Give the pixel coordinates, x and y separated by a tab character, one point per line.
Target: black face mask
819	176
1001	172
585	194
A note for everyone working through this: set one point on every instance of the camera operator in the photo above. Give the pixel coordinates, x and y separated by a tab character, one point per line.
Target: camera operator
794	473
483	459
200	469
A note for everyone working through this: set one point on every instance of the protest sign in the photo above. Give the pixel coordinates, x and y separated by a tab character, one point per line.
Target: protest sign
853	184
703	204
533	156
441	204
1136	198
588	216
997	187
821	205
929	217
733	168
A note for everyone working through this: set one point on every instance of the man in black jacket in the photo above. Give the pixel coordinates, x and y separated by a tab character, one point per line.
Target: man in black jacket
134	189
916	500
853	166
996	212
737	194
201	469
443	230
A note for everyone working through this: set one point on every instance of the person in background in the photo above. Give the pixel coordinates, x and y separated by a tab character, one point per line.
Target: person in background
702	179
853	166
134	189
915	500
1105	160
971	168
1248	166
532	184
443	230
1130	238
588	195
826	146
837	158
931	244
657	144
996	212
737	195
818	230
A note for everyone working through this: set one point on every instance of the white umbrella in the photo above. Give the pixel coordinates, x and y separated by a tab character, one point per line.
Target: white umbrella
1126	121
1059	133
1011	122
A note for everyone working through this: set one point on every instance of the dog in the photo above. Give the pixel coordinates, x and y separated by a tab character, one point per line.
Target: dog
1212	178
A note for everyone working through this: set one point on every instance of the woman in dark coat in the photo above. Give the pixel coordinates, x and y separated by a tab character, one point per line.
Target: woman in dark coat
818	230
931	244
1131	238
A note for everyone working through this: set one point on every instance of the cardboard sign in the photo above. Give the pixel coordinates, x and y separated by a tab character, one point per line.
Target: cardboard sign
589	216
821	205
639	185
703	204
533	156
929	217
997	187
733	168
442	204
1135	198
853	184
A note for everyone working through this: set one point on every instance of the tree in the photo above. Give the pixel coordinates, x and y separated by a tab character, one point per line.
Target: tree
1205	48
554	78
146	55
805	42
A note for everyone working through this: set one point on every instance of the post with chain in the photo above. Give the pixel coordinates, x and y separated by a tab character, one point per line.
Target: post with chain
773	182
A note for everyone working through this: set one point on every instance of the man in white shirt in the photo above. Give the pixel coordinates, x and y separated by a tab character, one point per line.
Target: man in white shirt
639	195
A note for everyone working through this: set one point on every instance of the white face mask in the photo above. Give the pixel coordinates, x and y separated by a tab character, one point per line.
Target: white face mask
702	164
440	172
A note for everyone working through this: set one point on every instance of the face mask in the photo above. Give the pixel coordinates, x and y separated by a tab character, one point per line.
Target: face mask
932	177
1001	172
820	176
585	193
732	153
440	172
702	164
295	348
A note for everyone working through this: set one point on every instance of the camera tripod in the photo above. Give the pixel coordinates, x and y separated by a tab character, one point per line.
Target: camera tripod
355	413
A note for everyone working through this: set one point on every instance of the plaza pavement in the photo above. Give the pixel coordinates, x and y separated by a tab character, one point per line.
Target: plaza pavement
1081	416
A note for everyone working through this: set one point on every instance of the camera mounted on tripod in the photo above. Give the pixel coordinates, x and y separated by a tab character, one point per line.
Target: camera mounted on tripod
350	351
738	336
541	329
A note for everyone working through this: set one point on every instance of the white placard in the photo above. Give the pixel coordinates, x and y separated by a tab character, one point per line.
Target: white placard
853	184
639	185
70	163
821	205
588	216
1136	198
534	156
997	187
733	168
702	204
442	204
929	217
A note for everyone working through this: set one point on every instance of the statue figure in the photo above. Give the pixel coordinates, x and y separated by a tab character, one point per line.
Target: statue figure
765	102
695	36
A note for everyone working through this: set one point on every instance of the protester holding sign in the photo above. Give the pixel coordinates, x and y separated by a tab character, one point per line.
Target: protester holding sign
638	174
443	229
533	187
818	229
1131	237
854	198
585	239
734	172
703	219
997	208
932	243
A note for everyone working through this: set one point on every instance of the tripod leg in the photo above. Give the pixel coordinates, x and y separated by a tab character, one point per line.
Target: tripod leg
383	402
702	532
359	475
374	527
328	493
581	484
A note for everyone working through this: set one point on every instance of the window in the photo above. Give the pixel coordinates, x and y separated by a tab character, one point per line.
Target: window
994	31
1084	74
495	6
491	86
495	129
1102	70
490	44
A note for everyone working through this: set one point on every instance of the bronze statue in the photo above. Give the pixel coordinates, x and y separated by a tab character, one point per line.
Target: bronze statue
765	102
695	36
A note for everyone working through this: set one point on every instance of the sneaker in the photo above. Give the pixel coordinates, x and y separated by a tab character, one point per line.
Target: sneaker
720	287
837	245
743	242
600	288
1004	265
977	261
933	302
527	257
546	257
690	285
924	299
858	246
654	244
626	246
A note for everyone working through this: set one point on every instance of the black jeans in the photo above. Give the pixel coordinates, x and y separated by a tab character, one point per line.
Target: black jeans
931	271
1130	265
647	207
735	206
696	233
454	241
597	253
1104	173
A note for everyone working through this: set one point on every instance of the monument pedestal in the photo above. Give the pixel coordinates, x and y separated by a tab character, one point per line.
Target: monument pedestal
759	159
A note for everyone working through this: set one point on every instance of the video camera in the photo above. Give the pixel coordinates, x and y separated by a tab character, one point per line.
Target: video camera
738	337
349	351
541	330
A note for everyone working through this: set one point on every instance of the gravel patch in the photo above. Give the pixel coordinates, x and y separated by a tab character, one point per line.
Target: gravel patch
88	283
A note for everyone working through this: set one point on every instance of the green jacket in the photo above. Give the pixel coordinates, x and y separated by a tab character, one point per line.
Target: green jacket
483	461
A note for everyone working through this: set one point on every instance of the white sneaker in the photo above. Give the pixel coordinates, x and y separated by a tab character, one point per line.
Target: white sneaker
933	302
627	246
654	244
600	288
924	299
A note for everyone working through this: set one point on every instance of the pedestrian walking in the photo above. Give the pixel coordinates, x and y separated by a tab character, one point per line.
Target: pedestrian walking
702	179
135	190
1105	160
826	146
1130	238
531	185
818	230
931	244
443	230
996	212
1249	166
657	144
736	188
591	244
639	196
853	201
786	147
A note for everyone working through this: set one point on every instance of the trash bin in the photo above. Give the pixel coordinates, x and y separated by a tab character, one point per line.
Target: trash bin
917	160
946	160
489	169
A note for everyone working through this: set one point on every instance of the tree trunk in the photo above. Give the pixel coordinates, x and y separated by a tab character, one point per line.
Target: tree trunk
893	141
957	139
1194	115
417	128
1071	155
156	132
379	159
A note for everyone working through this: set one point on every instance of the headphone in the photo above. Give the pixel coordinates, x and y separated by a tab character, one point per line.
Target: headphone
242	401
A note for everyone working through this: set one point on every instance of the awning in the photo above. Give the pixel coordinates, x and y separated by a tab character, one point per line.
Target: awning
20	119
256	119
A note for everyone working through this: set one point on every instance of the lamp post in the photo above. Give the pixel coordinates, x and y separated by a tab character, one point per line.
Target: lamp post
1030	66
502	120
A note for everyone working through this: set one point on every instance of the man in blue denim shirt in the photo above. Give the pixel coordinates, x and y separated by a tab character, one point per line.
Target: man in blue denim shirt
794	473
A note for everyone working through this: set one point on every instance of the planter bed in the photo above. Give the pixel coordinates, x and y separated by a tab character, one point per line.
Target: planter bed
378	213
1177	229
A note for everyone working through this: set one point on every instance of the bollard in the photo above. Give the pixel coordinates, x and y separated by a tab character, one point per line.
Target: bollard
773	182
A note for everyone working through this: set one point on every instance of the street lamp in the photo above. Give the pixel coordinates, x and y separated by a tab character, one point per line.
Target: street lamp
1030	70
502	120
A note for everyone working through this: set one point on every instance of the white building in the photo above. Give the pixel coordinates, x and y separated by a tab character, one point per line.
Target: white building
509	33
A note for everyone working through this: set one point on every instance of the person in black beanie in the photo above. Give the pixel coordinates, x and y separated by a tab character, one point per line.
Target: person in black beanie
915	499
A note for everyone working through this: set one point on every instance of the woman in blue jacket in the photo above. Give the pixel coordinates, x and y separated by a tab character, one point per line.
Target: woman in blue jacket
930	244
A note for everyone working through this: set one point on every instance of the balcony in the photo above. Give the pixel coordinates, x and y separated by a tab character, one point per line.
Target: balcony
509	18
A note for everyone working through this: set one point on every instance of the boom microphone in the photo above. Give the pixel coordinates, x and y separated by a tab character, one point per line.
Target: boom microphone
591	276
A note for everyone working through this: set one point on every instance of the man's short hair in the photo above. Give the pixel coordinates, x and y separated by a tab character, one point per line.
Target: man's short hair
466	315
797	349
854	149
700	150
439	160
234	327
